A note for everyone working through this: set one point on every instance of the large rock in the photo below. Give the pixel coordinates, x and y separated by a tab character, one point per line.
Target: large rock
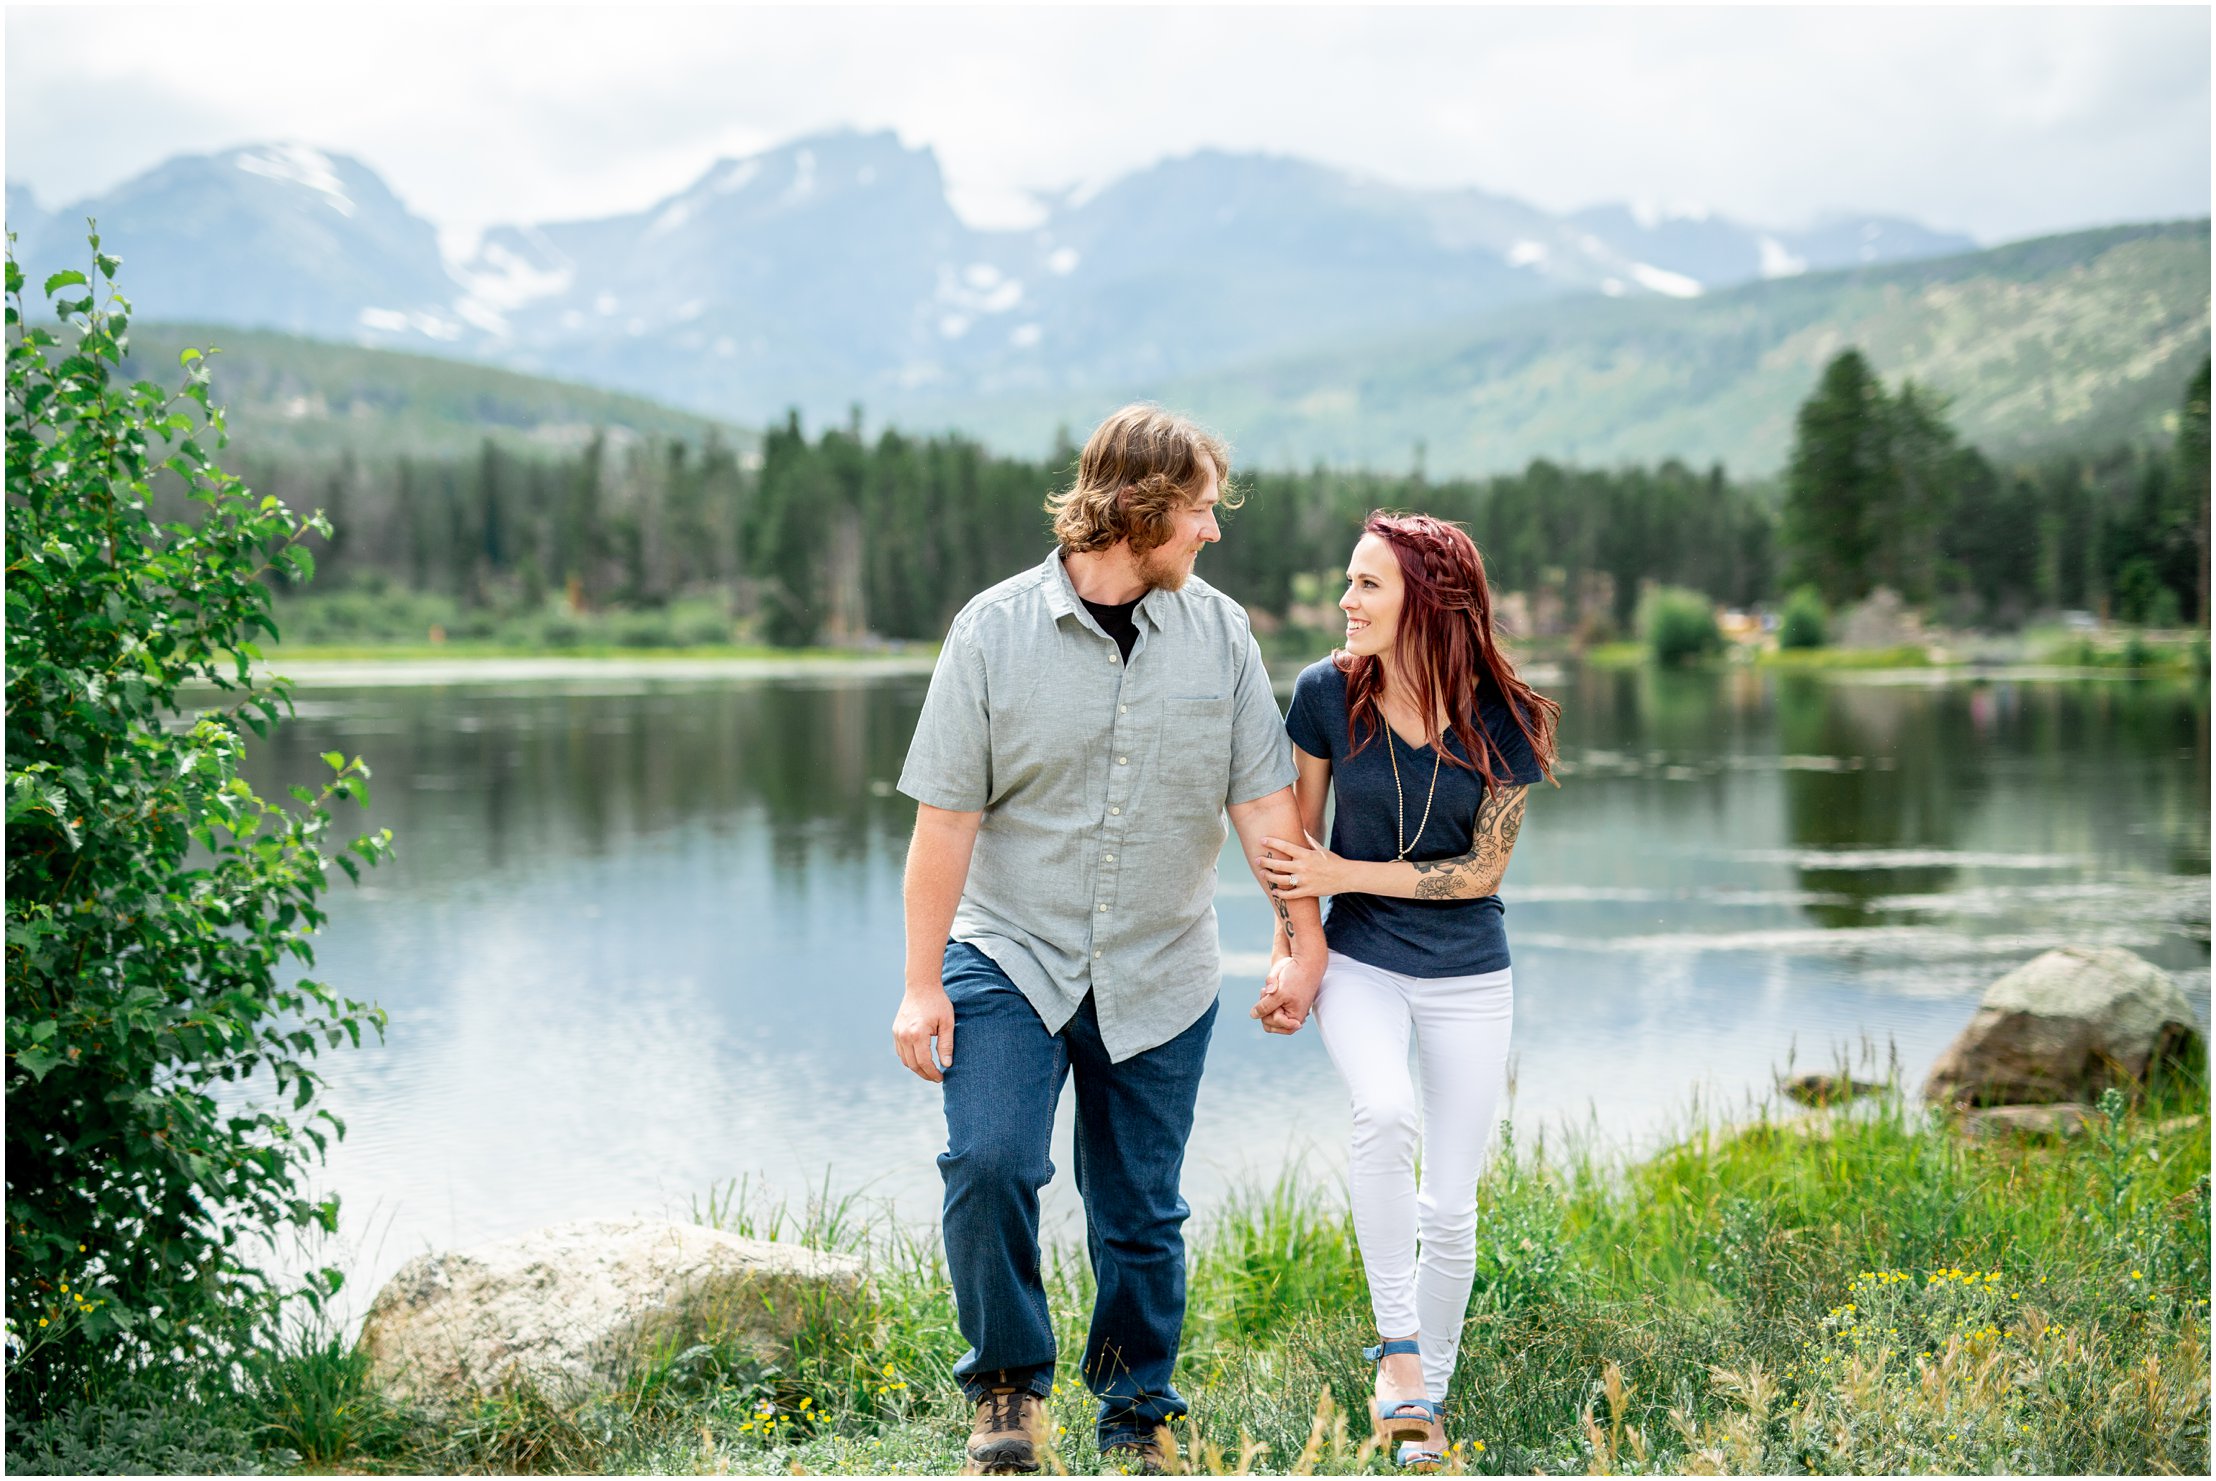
2064	1027
1879	620
569	1310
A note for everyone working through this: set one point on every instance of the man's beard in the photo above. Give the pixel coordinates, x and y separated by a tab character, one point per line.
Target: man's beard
1161	571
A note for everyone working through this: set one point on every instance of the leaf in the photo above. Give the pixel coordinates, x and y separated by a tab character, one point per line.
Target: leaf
38	1060
68	278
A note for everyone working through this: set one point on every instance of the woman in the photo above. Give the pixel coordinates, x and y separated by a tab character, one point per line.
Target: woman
1430	739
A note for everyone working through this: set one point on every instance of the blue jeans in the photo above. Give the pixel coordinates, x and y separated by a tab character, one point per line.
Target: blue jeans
1133	1119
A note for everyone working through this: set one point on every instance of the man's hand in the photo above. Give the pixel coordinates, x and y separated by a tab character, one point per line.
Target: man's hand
930	889
1287	995
925	1013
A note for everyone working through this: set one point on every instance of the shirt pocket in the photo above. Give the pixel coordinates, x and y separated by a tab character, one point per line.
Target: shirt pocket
1193	755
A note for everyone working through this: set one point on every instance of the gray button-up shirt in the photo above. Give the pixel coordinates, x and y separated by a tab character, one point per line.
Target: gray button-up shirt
1103	785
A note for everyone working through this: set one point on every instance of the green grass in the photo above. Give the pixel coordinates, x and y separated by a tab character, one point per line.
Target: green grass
375	619
2132	649
1801	660
1860	1290
1798	660
1614	655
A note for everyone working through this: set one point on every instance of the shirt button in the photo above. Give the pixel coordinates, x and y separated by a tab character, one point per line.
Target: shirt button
1103	910
1122	760
1123	709
1111	858
1115	809
1096	951
1112	658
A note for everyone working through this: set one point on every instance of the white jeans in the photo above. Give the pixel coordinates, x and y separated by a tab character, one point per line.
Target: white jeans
1461	1026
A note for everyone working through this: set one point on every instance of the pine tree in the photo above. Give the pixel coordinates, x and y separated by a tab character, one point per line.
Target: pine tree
1838	482
2193	486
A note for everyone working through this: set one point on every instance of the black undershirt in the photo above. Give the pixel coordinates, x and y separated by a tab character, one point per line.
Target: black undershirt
1116	621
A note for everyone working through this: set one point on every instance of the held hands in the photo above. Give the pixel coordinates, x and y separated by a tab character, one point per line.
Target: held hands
925	1013
1296	872
1287	994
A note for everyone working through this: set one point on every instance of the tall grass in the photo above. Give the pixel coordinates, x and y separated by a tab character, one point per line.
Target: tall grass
1851	1290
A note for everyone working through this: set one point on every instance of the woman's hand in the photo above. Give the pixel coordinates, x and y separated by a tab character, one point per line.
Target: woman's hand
1296	872
1287	994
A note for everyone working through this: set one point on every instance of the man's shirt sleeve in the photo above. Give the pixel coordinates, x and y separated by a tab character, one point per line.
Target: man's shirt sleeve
950	759
1261	757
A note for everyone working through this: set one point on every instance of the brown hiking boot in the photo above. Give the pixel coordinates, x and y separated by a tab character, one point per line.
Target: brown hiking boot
1005	1439
1134	1457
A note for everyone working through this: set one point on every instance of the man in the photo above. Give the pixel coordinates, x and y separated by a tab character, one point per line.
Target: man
1087	726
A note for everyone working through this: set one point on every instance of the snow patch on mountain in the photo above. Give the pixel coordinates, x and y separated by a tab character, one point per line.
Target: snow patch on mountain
297	164
673	217
1661	280
1777	262
1086	192
980	289
995	207
1650	213
402	321
735	176
804	176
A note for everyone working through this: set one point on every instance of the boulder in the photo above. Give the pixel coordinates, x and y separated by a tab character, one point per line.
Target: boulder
1819	1089
571	1310
1879	620
2064	1027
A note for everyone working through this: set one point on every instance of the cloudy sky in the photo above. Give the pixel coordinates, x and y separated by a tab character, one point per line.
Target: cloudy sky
2002	122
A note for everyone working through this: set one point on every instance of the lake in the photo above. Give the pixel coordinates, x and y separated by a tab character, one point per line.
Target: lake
643	936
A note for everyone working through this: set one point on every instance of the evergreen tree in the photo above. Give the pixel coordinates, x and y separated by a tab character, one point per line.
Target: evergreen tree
1838	482
2193	485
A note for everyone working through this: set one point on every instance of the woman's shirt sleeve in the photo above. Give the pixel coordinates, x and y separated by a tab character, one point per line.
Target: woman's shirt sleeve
1509	744
1304	717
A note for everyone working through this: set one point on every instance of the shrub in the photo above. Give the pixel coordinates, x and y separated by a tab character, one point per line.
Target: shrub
1678	626
152	897
1801	625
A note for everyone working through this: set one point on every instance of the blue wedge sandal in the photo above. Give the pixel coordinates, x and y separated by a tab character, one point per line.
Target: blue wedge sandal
1410	1419
1417	1455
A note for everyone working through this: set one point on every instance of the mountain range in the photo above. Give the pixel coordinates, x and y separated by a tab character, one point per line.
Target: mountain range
1317	313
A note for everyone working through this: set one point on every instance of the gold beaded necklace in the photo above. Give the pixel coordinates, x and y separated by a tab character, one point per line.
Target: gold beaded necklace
1400	803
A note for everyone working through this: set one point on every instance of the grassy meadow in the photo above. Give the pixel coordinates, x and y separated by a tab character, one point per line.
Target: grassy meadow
1857	1290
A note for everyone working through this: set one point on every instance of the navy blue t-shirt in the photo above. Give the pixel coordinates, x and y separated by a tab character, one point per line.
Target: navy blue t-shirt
1421	938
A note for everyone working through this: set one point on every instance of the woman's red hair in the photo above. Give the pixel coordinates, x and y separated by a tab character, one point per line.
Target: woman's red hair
1444	648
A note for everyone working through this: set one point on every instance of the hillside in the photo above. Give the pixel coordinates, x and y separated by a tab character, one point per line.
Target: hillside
285	393
2078	340
2070	341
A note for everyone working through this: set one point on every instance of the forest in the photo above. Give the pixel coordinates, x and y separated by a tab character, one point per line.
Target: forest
838	538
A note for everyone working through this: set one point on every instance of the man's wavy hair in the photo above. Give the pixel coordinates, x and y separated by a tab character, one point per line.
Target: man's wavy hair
1139	468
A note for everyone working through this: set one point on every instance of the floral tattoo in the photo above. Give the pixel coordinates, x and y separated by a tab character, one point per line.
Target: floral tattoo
1477	873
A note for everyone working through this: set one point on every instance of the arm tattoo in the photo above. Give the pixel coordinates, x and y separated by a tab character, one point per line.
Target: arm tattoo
1284	916
1477	873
